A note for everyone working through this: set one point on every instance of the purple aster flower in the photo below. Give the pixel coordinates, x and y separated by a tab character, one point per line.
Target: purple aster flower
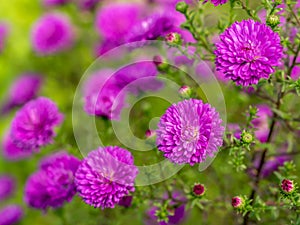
295	74
102	96
53	183
248	51
23	90
138	77
11	214
33	124
7	186
87	4
105	176
52	33
179	211
216	2
190	131
237	202
261	124
235	130
55	2
11	151
151	28
3	35
287	186
114	21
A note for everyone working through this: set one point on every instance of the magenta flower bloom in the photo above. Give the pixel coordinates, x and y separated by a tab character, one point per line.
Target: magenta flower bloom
12	152
55	2
216	2
3	35
105	176
237	202
33	124
248	51
261	124
53	183
155	26
190	131
179	211
126	201
11	214
52	33
115	20
138	77
287	186
199	189
7	186
102	96
23	90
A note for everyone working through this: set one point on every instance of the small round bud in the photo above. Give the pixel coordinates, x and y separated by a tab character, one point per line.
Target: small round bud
198	190
247	137
182	7
273	21
173	38
287	186
278	2
157	60
185	91
150	133
237	202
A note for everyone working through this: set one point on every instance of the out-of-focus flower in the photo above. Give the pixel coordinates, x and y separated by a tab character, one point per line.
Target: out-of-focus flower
178	216
102	96
52	33
87	4
248	51
261	123
138	77
23	90
105	176
235	130
216	2
55	2
33	125
150	133
11	214
3	35
185	91
12	152
126	201
7	186
190	131
53	183
114	21
295	73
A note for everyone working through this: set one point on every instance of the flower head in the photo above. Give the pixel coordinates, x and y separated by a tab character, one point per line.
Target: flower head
248	51
53	183
7	186
105	176
52	33
287	186
103	97
33	124
12	152
11	214
23	90
190	131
